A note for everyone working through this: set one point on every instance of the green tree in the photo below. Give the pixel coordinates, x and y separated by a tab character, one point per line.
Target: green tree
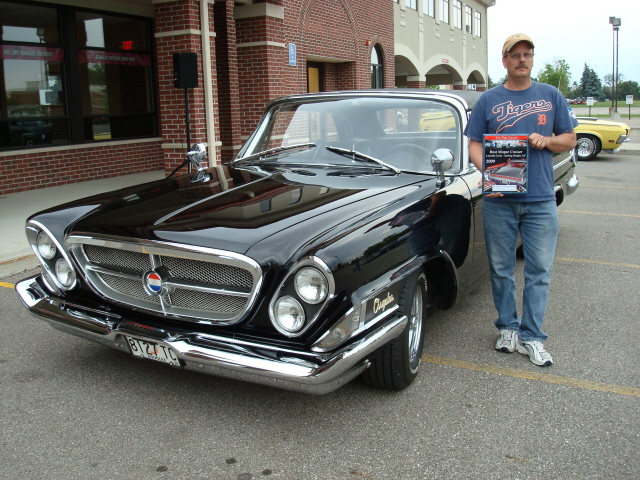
590	84
628	88
495	84
556	74
608	81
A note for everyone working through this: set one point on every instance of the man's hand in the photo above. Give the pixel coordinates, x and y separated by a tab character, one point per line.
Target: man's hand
557	143
538	141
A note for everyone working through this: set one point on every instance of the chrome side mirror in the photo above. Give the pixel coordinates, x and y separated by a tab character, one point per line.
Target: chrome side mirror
442	160
197	154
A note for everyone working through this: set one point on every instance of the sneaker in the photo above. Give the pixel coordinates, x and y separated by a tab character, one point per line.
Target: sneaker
507	341
537	354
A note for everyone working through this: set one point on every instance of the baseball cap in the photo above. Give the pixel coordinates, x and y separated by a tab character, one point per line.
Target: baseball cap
515	38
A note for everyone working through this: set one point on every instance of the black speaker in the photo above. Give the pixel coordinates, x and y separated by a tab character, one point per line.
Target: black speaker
185	70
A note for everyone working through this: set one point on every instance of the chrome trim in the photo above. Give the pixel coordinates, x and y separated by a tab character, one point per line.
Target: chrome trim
311	261
290	369
622	139
33	228
162	303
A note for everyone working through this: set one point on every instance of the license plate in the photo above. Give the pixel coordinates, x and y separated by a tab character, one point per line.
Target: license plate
153	351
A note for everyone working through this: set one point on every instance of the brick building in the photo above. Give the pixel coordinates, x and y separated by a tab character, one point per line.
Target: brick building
88	92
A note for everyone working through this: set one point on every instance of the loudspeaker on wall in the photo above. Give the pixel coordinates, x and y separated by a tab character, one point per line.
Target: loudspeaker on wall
185	70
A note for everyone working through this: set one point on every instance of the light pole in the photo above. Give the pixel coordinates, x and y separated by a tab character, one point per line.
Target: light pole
615	22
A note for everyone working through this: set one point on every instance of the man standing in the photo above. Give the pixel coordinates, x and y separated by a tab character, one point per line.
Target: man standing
522	106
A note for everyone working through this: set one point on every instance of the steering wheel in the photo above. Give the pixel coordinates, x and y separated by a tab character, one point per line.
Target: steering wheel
408	156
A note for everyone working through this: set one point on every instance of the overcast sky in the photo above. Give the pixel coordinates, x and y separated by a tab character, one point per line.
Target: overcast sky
577	31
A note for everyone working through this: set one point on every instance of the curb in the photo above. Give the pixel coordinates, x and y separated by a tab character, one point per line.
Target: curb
18	265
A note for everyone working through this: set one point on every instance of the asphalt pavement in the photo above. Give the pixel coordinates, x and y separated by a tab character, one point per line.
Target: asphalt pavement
73	409
76	410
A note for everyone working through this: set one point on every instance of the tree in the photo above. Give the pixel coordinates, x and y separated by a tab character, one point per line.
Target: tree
608	81
500	82
556	74
590	84
628	88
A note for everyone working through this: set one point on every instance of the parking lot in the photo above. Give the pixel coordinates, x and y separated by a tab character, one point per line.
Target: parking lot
77	410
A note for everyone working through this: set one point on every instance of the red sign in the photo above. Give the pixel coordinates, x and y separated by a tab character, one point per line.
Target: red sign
127	45
19	52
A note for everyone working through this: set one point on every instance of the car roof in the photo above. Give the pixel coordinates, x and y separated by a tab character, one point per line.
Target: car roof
468	97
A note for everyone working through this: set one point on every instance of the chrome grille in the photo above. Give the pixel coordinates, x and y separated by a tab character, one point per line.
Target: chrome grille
210	273
197	283
207	301
117	259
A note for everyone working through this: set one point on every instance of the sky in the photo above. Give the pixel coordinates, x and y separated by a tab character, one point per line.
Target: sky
577	31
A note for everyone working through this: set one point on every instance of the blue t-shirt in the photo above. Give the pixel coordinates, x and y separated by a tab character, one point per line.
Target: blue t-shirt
540	108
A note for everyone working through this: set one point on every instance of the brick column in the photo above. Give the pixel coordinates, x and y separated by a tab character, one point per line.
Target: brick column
262	56
178	29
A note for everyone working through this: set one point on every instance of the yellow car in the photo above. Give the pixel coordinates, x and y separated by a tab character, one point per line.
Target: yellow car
595	135
437	121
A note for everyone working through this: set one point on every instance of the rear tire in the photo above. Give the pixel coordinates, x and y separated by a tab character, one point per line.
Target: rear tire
395	366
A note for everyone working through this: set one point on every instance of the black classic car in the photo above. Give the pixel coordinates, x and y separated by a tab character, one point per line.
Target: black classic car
313	257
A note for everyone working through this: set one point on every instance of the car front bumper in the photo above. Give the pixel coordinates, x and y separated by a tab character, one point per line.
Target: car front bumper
265	364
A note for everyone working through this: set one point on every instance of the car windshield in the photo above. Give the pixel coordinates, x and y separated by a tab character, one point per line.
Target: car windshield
399	132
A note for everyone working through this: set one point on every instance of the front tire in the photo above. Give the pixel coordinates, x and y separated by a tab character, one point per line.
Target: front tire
395	366
588	147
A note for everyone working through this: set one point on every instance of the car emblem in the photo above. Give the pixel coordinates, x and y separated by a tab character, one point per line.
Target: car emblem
153	283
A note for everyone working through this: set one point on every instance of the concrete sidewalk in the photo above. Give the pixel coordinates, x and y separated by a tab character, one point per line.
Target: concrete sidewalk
16	255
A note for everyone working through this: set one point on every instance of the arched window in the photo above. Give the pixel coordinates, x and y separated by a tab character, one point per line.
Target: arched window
377	77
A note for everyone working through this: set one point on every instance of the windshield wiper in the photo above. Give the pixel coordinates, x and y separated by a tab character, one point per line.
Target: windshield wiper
354	154
274	152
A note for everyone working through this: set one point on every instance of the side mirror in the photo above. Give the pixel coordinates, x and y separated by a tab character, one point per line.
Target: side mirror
442	160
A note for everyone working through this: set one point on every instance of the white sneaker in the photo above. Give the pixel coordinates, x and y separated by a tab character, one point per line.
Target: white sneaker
537	354
507	341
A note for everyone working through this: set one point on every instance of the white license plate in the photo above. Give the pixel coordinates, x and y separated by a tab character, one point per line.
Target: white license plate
153	351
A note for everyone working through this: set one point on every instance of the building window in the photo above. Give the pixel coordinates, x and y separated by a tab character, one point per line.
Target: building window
444	11
413	4
467	18
377	77
429	7
457	14
477	31
70	76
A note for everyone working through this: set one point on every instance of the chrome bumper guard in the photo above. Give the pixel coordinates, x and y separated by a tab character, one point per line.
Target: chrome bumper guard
248	361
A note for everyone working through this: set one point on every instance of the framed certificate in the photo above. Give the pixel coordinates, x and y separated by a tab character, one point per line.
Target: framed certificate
504	164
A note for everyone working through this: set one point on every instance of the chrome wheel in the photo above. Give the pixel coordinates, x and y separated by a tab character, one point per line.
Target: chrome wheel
415	337
588	147
395	366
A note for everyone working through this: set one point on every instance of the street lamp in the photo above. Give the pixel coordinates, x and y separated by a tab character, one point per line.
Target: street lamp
615	22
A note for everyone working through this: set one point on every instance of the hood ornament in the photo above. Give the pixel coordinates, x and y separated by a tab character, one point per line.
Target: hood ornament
197	154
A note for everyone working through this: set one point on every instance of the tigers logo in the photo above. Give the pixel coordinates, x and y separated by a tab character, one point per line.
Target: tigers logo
508	114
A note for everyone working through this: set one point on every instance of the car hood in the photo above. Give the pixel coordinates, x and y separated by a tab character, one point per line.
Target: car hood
235	209
603	123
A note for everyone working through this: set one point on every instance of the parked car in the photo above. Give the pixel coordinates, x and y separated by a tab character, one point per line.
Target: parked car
315	256
595	135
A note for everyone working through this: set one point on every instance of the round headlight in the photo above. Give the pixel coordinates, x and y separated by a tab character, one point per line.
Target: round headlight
288	314
65	273
311	285
45	245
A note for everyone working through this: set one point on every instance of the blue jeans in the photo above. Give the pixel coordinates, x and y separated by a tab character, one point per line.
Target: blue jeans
537	223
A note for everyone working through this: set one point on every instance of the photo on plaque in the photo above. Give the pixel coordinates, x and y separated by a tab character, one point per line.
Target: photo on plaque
504	164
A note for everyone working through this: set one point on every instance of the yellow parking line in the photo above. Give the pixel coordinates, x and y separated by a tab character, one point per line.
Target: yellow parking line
600	213
582	260
6	285
542	377
610	186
